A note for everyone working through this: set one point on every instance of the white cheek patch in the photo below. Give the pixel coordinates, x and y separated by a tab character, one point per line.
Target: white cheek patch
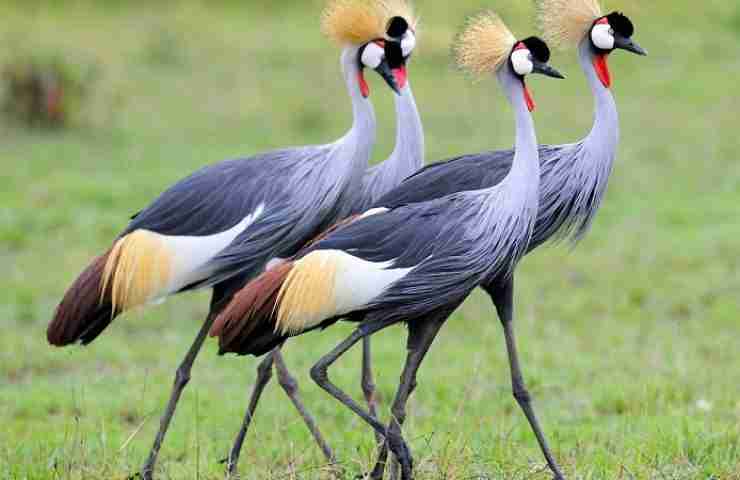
372	55
520	60
408	43
602	36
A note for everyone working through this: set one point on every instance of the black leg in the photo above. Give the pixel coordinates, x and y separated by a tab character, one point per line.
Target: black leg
421	335
368	383
290	386
182	377
264	374
319	373
503	297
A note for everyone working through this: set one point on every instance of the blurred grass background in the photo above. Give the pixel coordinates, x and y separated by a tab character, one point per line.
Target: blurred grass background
629	343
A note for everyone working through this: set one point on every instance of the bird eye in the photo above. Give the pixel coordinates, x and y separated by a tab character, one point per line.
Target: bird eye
602	36
521	61
408	43
372	55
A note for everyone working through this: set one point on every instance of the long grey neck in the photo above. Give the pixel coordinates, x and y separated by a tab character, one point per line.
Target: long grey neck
408	155
603	139
512	204
525	170
358	142
575	184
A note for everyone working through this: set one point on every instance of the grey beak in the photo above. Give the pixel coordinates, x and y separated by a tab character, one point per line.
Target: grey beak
629	45
545	69
384	70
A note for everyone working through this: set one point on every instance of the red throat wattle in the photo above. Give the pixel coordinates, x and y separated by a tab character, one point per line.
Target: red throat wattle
401	76
364	87
602	69
528	98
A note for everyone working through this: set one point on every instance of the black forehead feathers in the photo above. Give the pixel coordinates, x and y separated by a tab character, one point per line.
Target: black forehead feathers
397	27
538	48
621	24
394	55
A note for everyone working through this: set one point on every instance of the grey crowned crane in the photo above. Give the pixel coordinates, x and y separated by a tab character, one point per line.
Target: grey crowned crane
261	207
414	263
406	158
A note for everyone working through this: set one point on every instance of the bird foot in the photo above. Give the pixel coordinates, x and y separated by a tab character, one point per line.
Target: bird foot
140	476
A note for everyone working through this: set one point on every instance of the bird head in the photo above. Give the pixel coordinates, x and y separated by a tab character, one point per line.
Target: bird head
402	42
383	56
379	31
570	23
388	55
531	56
608	33
486	45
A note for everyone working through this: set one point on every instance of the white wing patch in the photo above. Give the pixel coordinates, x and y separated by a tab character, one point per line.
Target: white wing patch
358	281
330	283
374	211
190	253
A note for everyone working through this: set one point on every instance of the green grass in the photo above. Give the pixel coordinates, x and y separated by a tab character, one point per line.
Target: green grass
631	343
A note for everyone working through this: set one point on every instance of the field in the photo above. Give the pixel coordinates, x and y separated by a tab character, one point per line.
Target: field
630	343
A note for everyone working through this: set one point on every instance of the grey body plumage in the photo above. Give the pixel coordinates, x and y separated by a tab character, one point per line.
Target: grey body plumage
302	191
316	198
453	242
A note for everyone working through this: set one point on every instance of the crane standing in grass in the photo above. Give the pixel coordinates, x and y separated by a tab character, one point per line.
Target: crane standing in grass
414	263
224	223
406	158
